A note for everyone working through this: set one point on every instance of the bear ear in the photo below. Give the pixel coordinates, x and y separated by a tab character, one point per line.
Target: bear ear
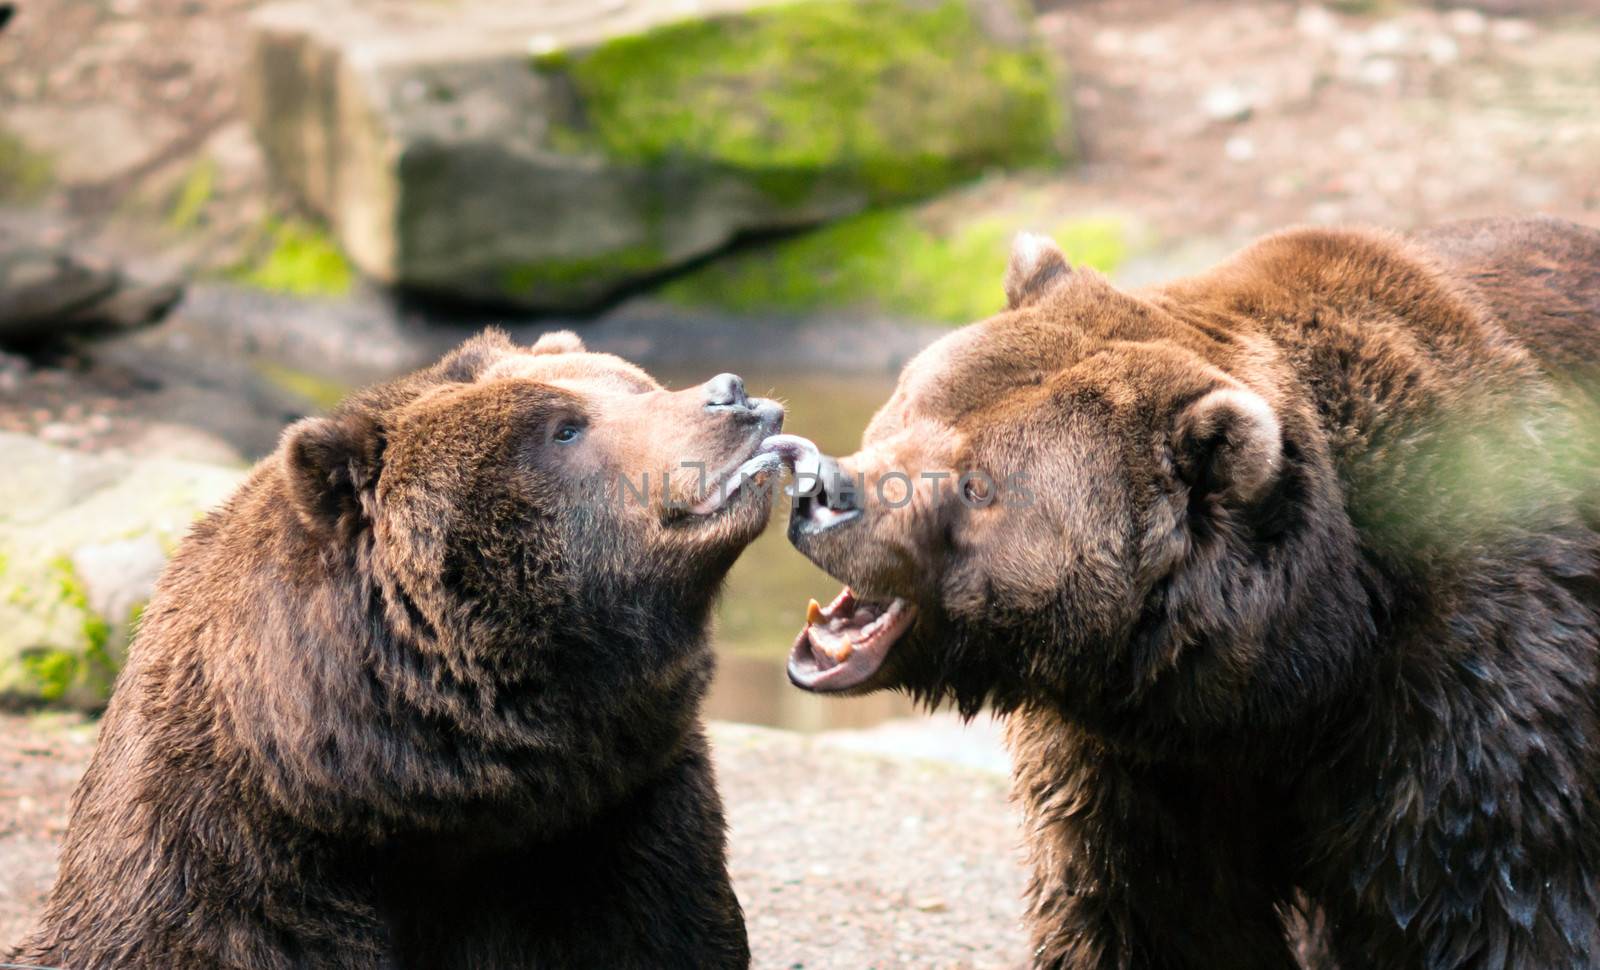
557	342
329	462
1037	266
466	362
1229	443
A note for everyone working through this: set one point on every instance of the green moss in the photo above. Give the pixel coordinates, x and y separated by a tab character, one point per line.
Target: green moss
552	61
51	671
193	195
25	175
893	261
96	631
568	139
890	98
301	260
1098	242
319	391
86	669
533	279
68	584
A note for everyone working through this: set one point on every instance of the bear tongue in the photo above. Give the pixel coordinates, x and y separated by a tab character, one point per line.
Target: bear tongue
800	454
793	450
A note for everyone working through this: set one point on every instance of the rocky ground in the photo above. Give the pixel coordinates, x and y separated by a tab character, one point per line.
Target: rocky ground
41	757
841	859
1224	120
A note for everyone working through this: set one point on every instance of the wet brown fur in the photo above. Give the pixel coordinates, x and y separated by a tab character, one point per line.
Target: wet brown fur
405	701
1298	625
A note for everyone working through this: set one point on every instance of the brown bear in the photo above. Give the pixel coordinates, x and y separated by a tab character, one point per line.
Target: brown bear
424	692
1287	576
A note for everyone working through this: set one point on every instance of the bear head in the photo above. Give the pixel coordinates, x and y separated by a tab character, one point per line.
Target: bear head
490	581
509	490
1092	500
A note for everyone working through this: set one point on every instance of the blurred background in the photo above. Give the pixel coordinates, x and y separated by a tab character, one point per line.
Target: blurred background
217	216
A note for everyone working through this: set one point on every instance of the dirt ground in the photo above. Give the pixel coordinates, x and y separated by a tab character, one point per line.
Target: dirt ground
921	872
41	758
1222	120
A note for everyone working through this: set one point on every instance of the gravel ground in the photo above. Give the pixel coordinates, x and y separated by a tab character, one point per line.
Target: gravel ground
850	860
41	757
842	859
1213	122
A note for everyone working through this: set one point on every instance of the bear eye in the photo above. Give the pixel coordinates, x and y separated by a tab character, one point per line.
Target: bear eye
976	488
567	433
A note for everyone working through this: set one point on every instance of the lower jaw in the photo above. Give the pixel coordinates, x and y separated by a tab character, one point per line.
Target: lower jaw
737	525
840	662
876	681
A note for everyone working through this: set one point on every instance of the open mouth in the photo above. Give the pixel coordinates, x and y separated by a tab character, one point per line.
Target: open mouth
846	642
756	471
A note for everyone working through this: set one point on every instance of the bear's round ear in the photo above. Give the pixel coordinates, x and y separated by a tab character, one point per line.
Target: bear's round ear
1037	266
466	362
557	342
329	462
1229	443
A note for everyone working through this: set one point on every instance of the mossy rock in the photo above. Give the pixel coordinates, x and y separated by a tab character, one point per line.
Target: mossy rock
550	157
848	94
25	175
298	258
192	195
940	262
82	540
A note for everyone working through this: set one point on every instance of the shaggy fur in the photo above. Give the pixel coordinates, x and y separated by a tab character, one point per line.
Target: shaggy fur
414	698
1299	627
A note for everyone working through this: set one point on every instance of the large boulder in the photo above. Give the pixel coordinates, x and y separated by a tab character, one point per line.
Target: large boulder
549	153
48	296
82	540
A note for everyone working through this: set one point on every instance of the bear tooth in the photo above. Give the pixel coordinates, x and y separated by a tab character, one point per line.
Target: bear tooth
813	612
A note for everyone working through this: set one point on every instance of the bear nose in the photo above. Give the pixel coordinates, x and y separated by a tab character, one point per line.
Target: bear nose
726	391
825	495
836	489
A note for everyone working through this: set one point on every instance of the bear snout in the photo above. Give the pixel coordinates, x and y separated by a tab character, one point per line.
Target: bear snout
725	395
